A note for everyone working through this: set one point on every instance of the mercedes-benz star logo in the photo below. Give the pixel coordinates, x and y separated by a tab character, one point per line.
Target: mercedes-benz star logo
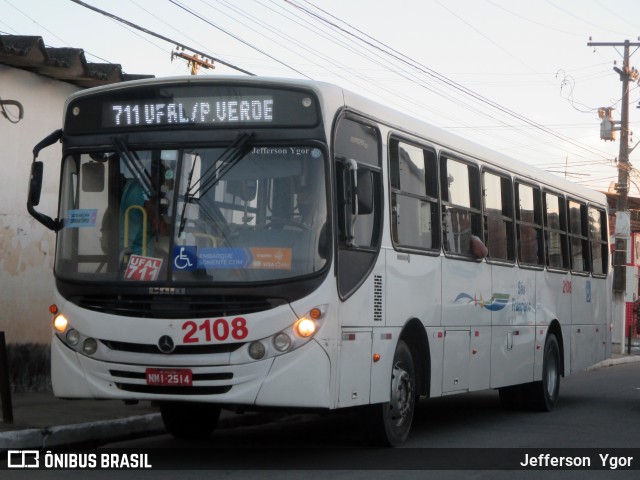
165	344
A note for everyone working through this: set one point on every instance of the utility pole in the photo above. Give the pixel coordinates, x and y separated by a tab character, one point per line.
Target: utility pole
194	61
623	221
626	74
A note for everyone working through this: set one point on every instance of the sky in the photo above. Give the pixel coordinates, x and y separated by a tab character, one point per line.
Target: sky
514	75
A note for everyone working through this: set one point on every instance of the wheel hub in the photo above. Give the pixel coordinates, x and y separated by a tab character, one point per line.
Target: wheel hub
401	395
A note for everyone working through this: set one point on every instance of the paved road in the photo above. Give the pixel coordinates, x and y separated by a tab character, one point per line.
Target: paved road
598	410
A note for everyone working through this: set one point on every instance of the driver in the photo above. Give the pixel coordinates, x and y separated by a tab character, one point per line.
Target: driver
305	207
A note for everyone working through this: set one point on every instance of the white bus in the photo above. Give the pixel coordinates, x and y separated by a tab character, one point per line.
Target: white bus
253	243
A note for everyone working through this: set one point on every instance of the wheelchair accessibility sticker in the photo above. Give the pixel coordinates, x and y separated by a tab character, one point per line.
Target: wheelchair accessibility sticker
185	258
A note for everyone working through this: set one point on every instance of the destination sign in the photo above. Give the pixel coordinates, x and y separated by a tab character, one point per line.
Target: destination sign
191	111
184	105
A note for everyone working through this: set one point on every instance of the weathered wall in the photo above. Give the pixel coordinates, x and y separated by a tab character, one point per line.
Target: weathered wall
27	247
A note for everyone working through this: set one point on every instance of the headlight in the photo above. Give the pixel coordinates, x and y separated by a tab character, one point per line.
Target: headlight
282	342
257	350
90	346
305	327
60	323
73	338
296	335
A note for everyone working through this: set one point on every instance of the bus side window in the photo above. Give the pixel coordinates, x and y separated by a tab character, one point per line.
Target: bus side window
529	225
578	237
555	232
598	238
498	217
460	187
414	196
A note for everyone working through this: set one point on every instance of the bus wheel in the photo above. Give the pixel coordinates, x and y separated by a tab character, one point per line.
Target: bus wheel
543	395
388	423
189	420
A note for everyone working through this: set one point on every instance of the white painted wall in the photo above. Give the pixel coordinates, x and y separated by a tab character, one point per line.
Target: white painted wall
26	246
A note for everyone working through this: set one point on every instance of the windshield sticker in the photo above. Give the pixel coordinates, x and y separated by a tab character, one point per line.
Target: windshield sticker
184	258
81	218
224	258
143	269
271	258
254	258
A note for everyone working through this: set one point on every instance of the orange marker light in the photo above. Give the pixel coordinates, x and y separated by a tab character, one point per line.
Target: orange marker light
315	313
53	309
376	357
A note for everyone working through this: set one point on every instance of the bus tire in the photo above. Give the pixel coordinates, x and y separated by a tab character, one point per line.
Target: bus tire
543	395
388	424
189	420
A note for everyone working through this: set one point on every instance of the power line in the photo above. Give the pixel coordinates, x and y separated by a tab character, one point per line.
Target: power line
343	31
39	24
162	37
406	75
570	14
209	22
376	44
532	21
494	43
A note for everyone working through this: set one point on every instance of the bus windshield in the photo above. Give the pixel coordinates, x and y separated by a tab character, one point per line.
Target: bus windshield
240	213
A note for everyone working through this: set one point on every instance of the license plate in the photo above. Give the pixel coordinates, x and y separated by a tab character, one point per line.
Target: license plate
169	377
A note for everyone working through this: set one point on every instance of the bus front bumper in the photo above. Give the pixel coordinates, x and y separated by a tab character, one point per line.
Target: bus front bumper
298	379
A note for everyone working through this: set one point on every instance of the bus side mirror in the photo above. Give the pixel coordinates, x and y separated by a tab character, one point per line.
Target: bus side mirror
33	198
357	196
352	168
35	183
365	192
351	200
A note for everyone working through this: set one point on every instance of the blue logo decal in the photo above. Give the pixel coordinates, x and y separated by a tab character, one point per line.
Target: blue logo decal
497	301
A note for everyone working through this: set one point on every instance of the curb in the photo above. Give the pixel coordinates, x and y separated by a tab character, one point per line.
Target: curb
610	362
94	433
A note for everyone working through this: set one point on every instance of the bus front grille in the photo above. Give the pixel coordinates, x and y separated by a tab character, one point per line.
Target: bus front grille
208	349
175	306
195	390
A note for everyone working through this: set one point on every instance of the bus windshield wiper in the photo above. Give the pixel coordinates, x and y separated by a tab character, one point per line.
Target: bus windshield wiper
226	161
135	165
218	169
